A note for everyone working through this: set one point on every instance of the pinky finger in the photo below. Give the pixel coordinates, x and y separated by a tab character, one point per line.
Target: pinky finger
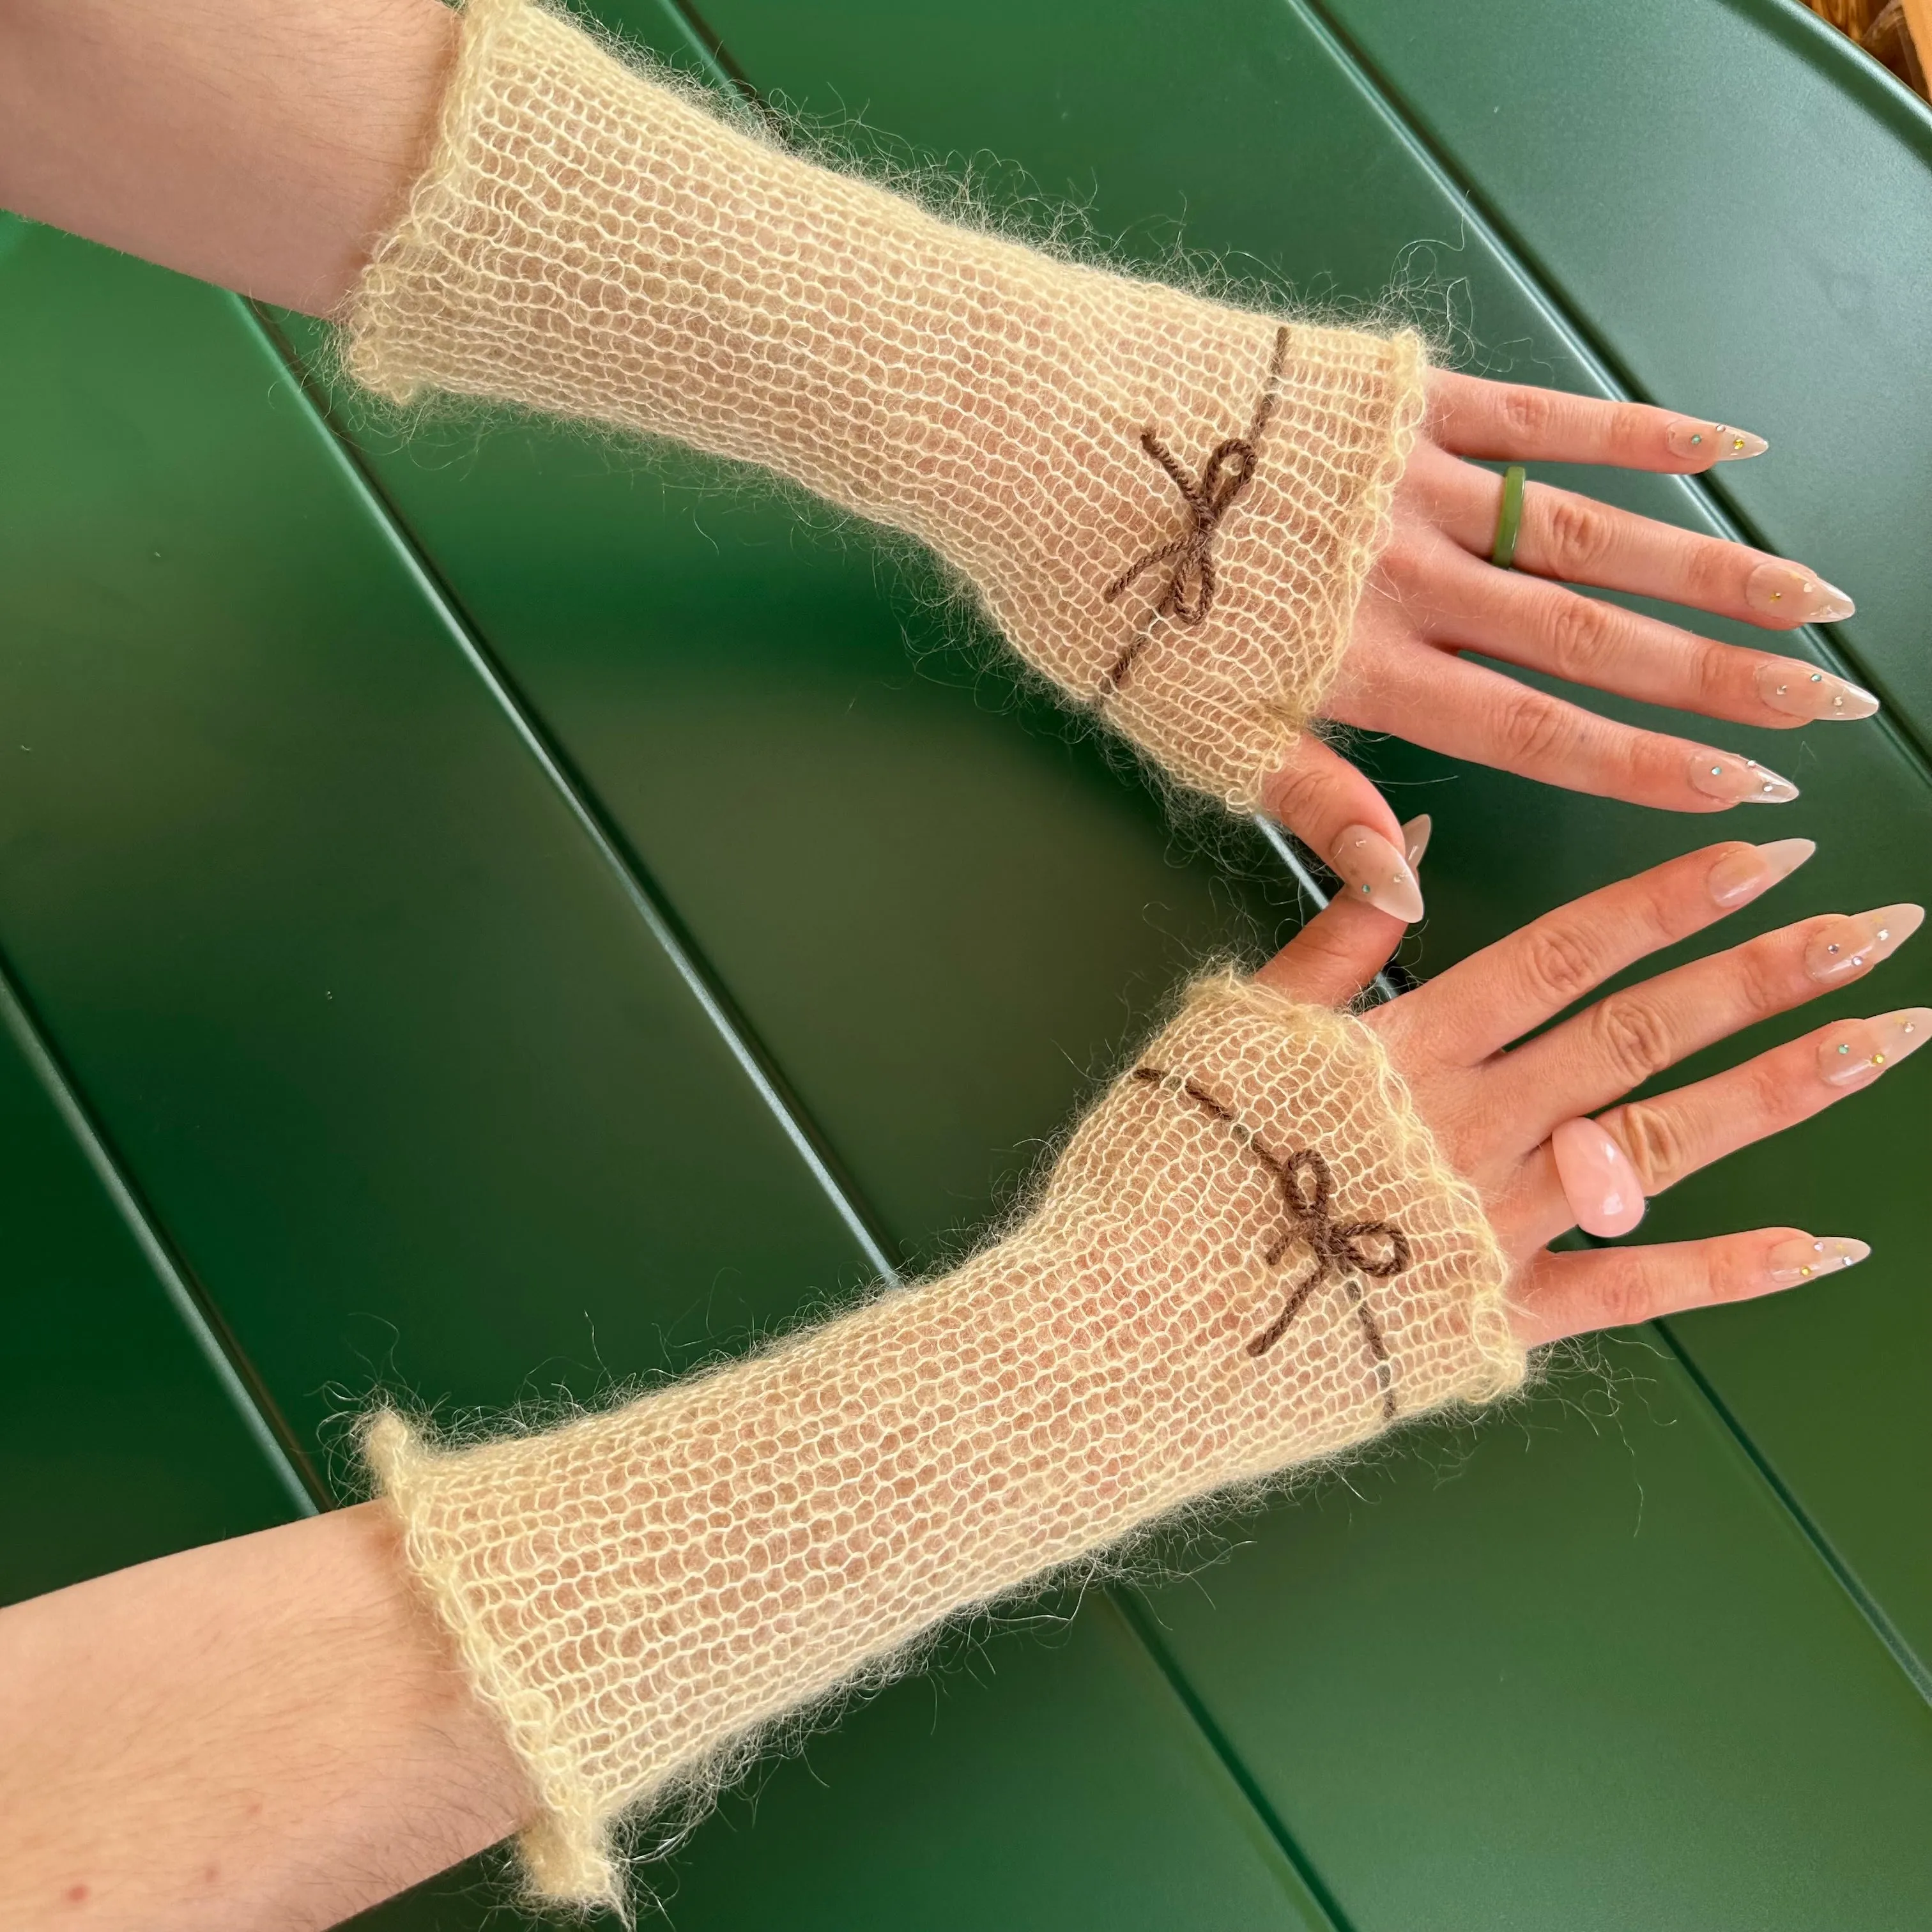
1561	1294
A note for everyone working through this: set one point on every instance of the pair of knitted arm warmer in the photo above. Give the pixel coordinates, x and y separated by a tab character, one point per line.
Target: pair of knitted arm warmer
1248	1257
1168	505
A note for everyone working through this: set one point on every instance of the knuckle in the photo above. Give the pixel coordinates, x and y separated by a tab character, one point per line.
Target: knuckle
1653	1140
1633	1038
1530	729
1527	412
1295	795
1711	676
1578	532
1559	966
1708	572
1579	632
1624	1299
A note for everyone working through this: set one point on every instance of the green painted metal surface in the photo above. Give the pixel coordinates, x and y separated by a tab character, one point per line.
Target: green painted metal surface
120	1439
421	1089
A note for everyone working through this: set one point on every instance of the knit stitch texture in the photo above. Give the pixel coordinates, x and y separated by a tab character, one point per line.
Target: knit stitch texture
638	1594
1167	504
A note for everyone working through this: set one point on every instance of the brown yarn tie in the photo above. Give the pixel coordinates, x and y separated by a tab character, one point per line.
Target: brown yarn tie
1307	1186
1189	595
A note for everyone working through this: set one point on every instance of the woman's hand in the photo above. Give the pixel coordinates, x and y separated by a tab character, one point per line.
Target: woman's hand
1435	595
1493	1107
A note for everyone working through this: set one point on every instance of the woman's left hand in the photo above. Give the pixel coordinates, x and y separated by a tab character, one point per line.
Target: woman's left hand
1435	595
1493	1104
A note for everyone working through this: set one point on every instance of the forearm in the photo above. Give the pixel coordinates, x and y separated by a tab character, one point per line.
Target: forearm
263	146
268	1733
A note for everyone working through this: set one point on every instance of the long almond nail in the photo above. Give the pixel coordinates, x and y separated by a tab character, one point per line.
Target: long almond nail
1795	596
1739	877
1415	833
1842	947
1712	442
1799	691
1855	1054
1739	780
1376	874
1787	1263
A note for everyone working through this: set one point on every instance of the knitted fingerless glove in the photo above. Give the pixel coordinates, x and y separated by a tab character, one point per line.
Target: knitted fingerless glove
1168	505
1250	1256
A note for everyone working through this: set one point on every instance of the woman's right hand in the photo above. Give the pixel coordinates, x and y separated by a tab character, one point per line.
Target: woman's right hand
1493	1104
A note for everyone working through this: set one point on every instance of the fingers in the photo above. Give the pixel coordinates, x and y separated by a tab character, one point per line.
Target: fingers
1336	955
1560	1294
1469	711
1495	996
1515	422
1545	626
1578	540
1677	1133
1335	810
1622	1041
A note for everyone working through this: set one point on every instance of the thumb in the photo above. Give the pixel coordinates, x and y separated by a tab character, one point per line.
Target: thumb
1345	946
1338	813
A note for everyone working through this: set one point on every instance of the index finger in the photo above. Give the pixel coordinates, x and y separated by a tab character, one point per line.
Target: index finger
1497	995
1517	422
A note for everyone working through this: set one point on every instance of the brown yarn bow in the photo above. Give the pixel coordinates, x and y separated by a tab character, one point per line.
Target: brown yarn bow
1306	1184
1191	582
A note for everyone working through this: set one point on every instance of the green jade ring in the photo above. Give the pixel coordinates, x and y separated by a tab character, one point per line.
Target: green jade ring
1509	519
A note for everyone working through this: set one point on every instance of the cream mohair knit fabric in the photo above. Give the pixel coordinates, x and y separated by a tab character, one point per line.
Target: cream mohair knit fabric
1249	1256
1167	504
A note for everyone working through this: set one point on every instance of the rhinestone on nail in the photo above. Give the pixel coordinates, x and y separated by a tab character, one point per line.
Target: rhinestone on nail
1737	442
1778	597
1804	1273
1857	958
1783	688
1833	947
1884	934
1878	1060
1697	438
1846	1047
1717	771
1817	677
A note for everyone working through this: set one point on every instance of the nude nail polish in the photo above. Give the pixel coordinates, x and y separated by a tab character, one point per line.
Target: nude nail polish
1855	1054
1415	834
1712	442
1738	780
1597	1181
1739	877
1376	873
1843	947
1795	596
1789	1262
1800	691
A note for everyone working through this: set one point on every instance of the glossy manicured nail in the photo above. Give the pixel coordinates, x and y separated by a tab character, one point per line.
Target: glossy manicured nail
1712	442
1789	1262
1597	1181
1846	946
1802	692
1782	590
1415	838
1855	1054
1376	874
1739	877
1739	780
